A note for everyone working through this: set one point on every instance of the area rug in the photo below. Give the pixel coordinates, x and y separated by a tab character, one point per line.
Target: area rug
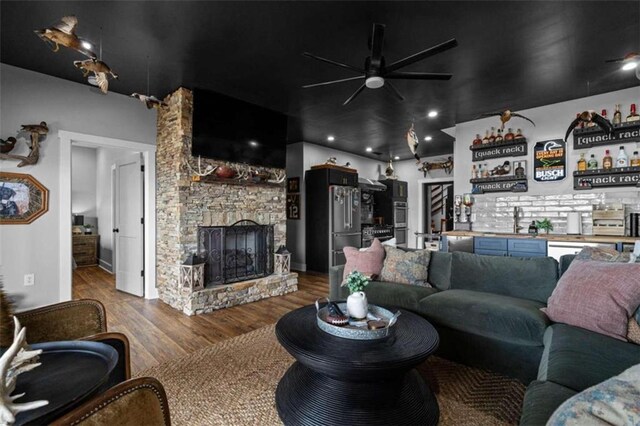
233	383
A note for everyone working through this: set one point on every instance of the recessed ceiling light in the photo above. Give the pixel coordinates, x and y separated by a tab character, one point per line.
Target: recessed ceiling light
331	138
427	138
253	143
369	149
396	157
629	66
86	45
432	114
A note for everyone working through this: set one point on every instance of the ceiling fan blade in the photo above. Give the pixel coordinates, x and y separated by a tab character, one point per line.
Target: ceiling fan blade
356	93
450	44
377	37
615	60
326	83
418	76
329	61
390	87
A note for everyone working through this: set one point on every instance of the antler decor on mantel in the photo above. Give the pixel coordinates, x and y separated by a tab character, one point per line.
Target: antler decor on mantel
16	360
235	174
36	131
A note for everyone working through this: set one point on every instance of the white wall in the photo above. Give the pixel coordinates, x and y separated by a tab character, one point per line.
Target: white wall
83	182
551	123
407	170
30	97
300	157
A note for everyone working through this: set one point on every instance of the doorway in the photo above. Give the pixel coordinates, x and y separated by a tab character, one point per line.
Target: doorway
438	207
122	218
107	210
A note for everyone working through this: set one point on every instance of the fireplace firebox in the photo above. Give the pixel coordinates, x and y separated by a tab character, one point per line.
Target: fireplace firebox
242	251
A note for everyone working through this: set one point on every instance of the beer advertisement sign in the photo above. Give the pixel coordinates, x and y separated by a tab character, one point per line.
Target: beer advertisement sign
550	161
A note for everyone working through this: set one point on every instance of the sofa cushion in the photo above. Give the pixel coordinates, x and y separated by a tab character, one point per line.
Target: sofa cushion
598	296
615	401
532	279
540	401
367	261
398	295
440	270
577	358
491	315
406	267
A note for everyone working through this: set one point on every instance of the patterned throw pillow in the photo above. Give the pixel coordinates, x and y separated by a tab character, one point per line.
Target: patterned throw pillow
368	261
597	296
406	267
615	401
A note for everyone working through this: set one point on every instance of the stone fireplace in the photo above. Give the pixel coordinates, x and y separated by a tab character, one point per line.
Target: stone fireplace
189	212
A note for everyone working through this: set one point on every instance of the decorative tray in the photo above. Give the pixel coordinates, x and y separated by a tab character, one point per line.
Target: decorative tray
358	329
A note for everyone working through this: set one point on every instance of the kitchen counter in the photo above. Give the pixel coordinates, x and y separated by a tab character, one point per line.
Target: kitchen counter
548	237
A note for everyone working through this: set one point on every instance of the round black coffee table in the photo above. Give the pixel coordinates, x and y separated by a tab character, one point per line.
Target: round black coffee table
337	381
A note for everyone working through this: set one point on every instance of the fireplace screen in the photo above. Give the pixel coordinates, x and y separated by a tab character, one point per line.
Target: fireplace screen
242	251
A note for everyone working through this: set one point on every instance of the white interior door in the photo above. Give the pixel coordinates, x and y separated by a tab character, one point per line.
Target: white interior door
128	225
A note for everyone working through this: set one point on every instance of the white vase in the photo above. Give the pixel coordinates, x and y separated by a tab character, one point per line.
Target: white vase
357	305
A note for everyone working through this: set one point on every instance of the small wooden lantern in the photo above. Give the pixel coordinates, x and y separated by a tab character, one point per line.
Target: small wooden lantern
282	261
192	273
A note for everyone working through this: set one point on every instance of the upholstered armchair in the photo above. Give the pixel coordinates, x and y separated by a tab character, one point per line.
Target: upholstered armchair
135	402
84	319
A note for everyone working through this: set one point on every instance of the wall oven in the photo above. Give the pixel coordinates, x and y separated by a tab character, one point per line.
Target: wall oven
400	214
401	235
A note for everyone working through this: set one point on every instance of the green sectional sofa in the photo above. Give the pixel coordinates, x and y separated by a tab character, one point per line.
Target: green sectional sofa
487	311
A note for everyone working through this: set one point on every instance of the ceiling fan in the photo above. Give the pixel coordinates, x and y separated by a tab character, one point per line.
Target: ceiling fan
376	71
629	61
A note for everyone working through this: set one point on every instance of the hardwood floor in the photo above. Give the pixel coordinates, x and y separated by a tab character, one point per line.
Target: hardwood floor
159	333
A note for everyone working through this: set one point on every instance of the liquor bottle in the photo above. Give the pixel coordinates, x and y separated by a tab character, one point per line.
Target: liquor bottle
633	116
499	137
518	134
492	137
486	138
604	114
474	172
519	171
617	115
607	161
623	159
582	163
533	229
635	160
477	140
485	171
593	163
509	136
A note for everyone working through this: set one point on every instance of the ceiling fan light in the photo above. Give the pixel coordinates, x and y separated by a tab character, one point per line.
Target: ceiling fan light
374	82
629	65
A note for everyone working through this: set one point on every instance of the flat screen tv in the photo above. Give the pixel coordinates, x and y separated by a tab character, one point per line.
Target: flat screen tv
229	129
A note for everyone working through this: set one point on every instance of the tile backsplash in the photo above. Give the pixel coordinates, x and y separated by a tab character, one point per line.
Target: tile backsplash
494	213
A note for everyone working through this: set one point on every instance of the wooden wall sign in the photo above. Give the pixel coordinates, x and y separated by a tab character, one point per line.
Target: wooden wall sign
594	136
550	160
293	206
293	185
497	150
24	199
601	178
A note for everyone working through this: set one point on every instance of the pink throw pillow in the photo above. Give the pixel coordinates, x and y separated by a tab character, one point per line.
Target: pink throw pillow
598	296
369	262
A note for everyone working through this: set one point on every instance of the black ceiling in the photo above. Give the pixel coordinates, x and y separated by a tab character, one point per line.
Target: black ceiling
511	54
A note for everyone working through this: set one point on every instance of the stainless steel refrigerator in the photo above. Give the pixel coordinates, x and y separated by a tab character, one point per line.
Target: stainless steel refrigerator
344	222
